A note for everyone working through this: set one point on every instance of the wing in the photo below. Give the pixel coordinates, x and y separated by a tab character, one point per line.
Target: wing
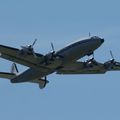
13	54
81	68
33	75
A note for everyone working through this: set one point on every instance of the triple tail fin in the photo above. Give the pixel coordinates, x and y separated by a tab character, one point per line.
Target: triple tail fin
10	75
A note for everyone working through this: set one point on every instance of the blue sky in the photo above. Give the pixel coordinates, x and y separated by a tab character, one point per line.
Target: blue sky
61	22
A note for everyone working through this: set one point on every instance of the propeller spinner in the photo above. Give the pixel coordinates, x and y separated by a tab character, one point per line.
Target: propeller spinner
29	49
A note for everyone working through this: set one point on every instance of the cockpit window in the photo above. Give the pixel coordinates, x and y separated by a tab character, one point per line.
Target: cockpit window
95	37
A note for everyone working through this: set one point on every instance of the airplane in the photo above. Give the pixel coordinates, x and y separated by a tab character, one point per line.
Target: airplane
62	62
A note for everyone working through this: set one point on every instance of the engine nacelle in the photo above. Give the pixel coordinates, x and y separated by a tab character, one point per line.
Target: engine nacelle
90	63
27	50
109	64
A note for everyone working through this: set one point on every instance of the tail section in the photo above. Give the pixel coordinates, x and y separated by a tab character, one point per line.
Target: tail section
10	75
7	75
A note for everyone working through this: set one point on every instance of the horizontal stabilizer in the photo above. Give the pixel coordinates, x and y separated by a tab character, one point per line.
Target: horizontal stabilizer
7	75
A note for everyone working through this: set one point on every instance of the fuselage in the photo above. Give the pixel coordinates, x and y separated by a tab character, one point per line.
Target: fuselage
50	62
80	48
73	52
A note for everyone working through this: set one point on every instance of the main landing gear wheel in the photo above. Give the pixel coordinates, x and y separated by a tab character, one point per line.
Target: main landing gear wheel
43	83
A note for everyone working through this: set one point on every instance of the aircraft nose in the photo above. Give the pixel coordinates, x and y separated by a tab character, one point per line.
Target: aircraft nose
102	40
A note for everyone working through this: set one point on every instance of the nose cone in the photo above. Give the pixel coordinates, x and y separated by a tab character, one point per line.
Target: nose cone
102	40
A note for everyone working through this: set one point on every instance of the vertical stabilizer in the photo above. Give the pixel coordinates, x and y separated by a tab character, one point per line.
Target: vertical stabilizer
14	69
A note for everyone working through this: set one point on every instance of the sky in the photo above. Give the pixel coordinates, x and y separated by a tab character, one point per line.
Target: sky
68	97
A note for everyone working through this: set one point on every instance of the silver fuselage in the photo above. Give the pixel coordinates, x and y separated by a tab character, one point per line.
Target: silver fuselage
80	48
43	65
69	54
73	52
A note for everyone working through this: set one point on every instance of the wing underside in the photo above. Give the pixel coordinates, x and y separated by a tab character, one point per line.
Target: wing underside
30	75
80	68
13	55
33	75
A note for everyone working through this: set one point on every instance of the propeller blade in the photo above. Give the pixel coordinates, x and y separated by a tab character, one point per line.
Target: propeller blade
53	49
111	54
34	43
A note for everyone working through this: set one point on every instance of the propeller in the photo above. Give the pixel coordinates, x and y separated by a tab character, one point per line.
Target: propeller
29	49
52	46
33	43
113	59
109	64
30	46
51	56
111	55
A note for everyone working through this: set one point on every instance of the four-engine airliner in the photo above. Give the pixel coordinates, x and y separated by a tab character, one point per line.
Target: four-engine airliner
64	61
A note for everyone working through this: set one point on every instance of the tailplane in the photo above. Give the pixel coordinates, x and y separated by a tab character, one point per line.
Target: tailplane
10	75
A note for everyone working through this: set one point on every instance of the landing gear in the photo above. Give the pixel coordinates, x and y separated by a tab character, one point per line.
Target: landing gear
90	62
43	83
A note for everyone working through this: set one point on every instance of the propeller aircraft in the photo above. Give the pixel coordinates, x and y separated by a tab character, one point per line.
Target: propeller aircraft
63	61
